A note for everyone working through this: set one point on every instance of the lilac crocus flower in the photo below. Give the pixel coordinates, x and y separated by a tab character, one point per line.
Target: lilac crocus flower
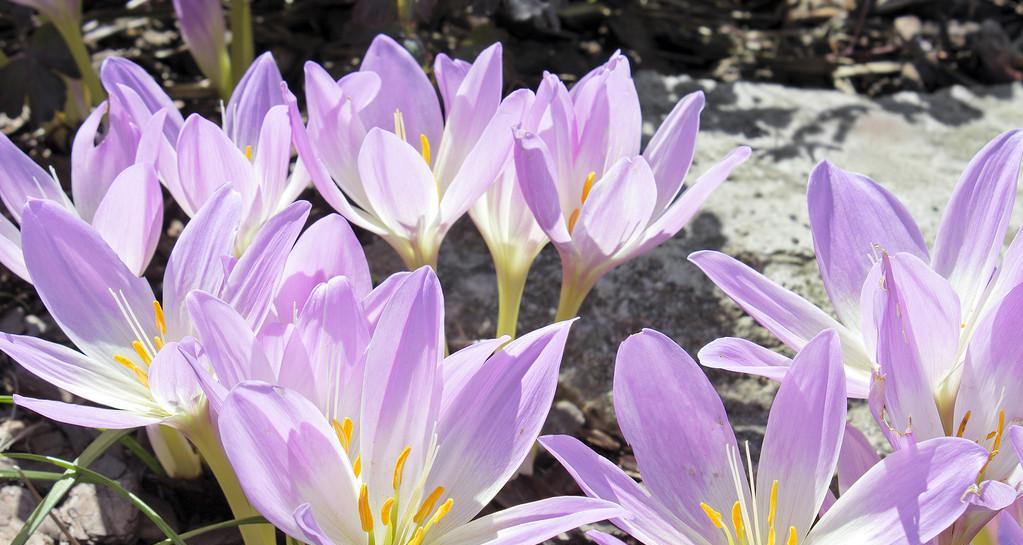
203	29
137	358
252	152
112	188
380	152
127	212
596	198
112	316
398	445
697	492
853	219
925	387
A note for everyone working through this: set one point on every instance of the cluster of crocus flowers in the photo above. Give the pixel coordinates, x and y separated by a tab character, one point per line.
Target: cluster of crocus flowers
331	407
698	492
931	339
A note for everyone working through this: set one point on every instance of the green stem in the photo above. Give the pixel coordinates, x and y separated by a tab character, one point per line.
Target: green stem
573	292
511	283
72	35
206	441
242	48
174	452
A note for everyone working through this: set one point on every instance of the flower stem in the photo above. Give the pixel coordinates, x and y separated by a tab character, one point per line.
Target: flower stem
205	439
174	452
573	292
72	35
242	48
511	283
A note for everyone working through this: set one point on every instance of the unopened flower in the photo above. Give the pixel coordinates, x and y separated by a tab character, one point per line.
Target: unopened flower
203	29
697	491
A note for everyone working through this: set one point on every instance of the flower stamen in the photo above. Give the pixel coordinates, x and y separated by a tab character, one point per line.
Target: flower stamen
427	507
385	511
962	425
399	125
140	375
424	144
365	515
587	186
399	468
717	521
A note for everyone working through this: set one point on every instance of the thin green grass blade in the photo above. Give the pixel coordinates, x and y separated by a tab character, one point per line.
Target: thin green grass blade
89	476
60	489
214	527
31	475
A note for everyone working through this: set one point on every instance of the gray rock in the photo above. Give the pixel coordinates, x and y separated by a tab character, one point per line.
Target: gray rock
916	145
16	503
89	514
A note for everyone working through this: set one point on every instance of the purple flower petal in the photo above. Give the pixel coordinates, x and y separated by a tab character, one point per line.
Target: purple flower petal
852	218
257	92
83	283
532	523
404	87
670	151
195	261
646	518
909	497
803	436
490	428
677	426
84	415
130	216
972	230
328	248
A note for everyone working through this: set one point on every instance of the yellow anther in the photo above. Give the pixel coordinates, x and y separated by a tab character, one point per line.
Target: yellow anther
442	511
399	468
772	510
793	538
248	152
714	516
427	507
142	352
717	521
424	144
385	511
399	125
357	466
158	342
770	536
140	375
161	320
365	515
417	536
344	432
588	185
572	219
962	425
1000	432
740	529
962	325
